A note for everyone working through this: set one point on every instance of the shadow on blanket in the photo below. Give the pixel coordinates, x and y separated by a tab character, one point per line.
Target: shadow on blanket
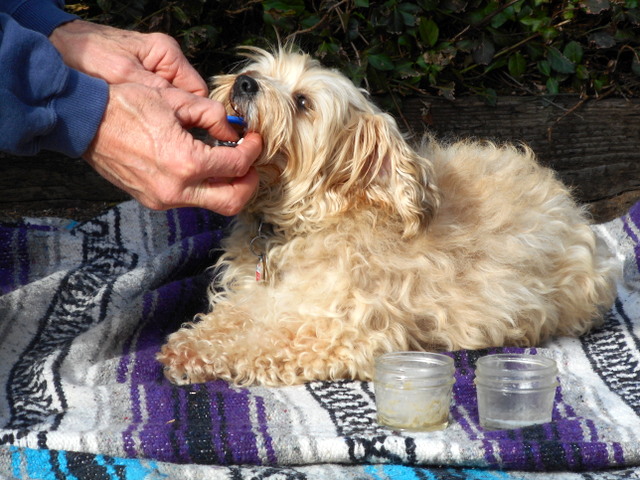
85	307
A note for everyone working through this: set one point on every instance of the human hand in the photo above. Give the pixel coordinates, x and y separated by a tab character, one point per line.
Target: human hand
122	56
142	146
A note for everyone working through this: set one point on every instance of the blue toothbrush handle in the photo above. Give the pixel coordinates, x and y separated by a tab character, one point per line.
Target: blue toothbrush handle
235	120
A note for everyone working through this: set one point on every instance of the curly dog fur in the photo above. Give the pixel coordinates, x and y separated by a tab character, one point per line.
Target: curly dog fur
372	246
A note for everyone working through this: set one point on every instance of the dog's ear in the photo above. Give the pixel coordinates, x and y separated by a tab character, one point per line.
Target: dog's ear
389	172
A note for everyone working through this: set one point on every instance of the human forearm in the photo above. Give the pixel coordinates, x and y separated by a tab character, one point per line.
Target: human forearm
45	105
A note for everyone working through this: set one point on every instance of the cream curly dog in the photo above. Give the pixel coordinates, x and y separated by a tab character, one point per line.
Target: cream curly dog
357	244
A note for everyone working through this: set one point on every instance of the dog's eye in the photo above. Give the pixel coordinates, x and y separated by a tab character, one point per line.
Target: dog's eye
302	102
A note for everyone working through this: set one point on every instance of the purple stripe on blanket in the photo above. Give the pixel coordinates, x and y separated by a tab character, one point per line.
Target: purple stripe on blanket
210	423
14	256
567	443
271	458
633	216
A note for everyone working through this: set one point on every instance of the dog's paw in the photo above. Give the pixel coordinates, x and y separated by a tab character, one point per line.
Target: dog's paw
178	368
184	363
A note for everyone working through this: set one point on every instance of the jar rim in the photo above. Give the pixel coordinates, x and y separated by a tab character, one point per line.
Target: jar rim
415	364
427	358
517	362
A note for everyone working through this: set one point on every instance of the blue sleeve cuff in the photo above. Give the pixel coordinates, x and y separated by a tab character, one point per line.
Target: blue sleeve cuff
79	110
42	16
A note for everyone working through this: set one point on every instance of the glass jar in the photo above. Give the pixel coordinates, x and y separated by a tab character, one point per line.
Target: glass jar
515	390
413	390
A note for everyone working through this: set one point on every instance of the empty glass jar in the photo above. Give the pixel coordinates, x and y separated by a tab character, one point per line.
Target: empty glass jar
413	390
515	390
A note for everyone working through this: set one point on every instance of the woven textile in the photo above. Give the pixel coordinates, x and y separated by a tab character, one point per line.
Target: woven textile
85	308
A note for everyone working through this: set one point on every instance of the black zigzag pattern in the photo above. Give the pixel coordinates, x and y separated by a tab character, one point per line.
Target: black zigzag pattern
34	390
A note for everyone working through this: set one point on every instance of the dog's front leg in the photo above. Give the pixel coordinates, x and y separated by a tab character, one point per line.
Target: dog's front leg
271	346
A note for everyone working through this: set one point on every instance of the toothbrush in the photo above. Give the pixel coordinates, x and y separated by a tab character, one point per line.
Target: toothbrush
236	120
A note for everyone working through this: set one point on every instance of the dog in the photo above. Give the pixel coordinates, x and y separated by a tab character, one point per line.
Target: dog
357	244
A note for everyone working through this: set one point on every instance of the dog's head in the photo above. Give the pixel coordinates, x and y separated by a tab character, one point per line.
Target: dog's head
327	148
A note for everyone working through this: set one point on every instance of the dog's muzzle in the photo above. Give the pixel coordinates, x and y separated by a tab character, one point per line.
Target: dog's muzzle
245	86
243	93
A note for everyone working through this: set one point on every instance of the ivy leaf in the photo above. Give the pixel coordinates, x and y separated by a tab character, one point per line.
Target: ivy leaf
517	65
395	22
573	51
380	61
559	62
484	51
429	31
285	7
602	40
544	68
635	63
179	14
428	5
552	86
596	6
409	13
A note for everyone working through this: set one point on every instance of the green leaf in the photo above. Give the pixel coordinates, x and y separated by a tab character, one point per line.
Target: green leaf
489	95
552	86
429	31
596	6
179	14
105	5
573	51
635	63
544	68
517	65
428	5
362	3
328	48
409	13
559	62
501	18
582	72
395	22
484	51
310	21
284	7
380	61
533	23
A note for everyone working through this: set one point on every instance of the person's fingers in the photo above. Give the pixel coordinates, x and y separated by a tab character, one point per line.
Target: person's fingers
194	111
144	77
231	162
187	78
164	57
227	197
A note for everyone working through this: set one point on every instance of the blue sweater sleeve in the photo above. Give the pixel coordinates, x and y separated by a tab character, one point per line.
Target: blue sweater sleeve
44	105
39	15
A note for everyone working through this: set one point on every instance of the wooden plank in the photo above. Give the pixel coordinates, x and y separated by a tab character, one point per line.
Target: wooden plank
594	146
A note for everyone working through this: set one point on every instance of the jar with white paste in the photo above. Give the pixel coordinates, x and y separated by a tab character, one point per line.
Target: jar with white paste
413	390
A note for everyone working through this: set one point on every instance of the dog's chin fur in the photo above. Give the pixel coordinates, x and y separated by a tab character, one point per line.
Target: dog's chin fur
373	246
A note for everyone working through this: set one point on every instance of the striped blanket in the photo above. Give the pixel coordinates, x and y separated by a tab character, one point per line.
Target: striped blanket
86	306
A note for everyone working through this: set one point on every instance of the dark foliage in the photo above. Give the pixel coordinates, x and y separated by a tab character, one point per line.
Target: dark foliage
445	47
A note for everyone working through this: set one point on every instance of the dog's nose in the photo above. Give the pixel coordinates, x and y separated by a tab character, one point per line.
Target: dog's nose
245	85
